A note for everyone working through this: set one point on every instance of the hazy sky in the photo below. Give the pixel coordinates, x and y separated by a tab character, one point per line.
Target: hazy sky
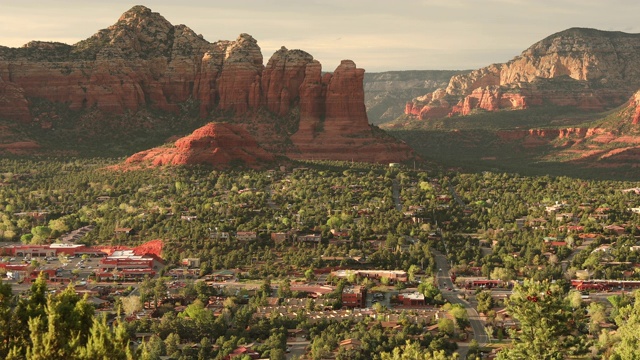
378	35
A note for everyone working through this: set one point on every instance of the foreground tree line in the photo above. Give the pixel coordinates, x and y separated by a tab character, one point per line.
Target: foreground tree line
64	326
552	324
41	325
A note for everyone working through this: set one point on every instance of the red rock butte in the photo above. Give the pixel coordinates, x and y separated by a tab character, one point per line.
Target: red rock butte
143	61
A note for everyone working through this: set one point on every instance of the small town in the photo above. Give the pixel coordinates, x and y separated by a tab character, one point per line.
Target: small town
320	180
447	294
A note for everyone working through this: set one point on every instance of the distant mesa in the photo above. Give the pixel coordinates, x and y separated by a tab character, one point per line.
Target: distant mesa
142	61
584	68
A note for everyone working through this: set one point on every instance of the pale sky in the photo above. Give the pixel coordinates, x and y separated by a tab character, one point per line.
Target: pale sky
379	35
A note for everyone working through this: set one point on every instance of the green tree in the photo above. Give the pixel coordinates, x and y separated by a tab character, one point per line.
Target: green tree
65	327
446	326
159	290
7	321
152	349
460	315
40	234
545	319
503	274
575	299
265	288
284	290
171	344
58	226
309	275
30	308
105	343
413	351
131	304
597	315
627	340
485	301
429	290
413	270
146	289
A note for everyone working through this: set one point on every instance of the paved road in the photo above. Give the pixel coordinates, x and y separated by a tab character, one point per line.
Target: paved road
457	198
270	203
297	348
395	189
444	283
565	263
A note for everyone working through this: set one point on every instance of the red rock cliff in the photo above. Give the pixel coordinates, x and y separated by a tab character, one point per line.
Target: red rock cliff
594	70
145	61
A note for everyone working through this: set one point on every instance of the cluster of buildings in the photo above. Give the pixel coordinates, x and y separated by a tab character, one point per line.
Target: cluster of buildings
393	276
116	262
126	265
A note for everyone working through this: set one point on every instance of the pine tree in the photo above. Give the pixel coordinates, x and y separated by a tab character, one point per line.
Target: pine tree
64	327
628	334
32	307
7	300
106	344
546	322
152	349
413	351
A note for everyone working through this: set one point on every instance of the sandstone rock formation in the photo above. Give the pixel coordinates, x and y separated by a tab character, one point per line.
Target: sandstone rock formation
634	103
143	61
13	104
585	68
386	93
215	144
613	142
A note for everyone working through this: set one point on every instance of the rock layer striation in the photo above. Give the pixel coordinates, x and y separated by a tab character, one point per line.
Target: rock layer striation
584	68
143	61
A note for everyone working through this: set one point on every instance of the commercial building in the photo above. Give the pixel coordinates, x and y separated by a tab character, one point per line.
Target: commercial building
354	296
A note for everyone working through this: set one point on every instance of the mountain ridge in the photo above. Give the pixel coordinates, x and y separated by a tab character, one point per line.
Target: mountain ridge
605	64
143	61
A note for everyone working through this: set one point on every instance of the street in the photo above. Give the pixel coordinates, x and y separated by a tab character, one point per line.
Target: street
445	283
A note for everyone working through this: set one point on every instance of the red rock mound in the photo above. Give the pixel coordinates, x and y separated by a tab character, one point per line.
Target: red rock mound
153	247
214	144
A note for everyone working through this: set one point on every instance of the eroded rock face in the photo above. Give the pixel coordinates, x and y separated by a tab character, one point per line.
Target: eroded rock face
585	68
634	103
145	61
282	78
612	144
13	104
214	144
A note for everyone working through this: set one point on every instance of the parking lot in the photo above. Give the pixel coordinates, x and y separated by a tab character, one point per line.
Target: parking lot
74	268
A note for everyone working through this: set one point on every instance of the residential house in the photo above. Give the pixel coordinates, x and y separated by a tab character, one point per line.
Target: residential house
191	262
246	235
242	351
340	233
124	231
616	229
311	238
280	237
350	344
